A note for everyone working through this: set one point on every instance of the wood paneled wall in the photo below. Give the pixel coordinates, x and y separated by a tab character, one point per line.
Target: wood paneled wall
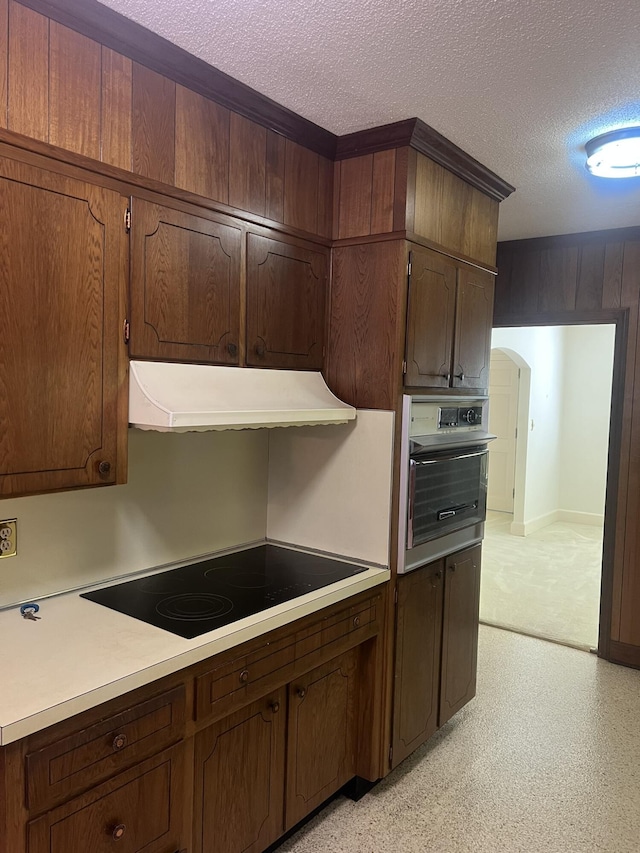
60	87
402	190
591	277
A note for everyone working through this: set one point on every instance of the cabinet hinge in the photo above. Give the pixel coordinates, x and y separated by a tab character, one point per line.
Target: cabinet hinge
516	435
126	331
409	268
127	220
390	754
395	595
404	367
513	492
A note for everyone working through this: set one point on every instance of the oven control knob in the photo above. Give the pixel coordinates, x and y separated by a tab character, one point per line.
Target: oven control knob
470	416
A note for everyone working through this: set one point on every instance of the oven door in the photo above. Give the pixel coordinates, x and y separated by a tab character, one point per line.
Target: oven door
447	492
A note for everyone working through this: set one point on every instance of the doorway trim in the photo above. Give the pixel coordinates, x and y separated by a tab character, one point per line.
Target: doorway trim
613	545
522	426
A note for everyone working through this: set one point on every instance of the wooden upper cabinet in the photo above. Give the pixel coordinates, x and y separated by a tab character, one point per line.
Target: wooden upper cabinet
185	285
474	320
62	250
449	322
286	301
430	319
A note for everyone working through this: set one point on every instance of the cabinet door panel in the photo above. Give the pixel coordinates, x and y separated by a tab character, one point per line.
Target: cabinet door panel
141	810
286	300
321	738
460	631
61	244
185	286
430	319
417	671
239	779
474	320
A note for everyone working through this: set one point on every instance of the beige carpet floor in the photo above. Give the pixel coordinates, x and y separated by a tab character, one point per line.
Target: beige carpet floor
546	584
545	759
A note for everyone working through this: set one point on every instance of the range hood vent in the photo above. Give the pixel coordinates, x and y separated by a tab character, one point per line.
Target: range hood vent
194	397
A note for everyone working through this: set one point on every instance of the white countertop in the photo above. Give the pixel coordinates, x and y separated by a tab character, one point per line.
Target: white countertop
80	654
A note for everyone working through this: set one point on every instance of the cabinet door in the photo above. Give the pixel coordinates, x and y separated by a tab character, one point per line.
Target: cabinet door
286	300
142	810
239	779
430	319
185	285
62	245
460	631
321	737
417	669
474	320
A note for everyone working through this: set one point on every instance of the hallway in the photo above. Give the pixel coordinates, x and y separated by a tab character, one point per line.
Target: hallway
546	584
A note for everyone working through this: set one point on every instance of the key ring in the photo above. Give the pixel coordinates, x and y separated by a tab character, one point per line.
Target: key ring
28	611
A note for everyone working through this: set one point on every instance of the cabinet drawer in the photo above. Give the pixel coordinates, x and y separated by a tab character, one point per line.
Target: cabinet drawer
91	755
334	628
248	677
138	810
245	678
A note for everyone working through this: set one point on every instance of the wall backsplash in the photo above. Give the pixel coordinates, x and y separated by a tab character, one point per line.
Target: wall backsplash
188	494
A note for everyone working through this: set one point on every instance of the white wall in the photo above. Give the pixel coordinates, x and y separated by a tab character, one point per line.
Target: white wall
187	495
330	488
543	349
585	418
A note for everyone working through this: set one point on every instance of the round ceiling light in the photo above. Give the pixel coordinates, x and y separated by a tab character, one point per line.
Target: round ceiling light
615	154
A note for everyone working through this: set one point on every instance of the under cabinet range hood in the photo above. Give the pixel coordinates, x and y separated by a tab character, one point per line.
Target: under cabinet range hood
170	397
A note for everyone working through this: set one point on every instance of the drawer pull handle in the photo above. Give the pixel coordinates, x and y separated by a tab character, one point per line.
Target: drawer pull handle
301	691
244	676
118	831
356	621
119	742
275	707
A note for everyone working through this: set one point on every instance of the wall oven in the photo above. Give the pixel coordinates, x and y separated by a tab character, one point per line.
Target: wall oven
443	495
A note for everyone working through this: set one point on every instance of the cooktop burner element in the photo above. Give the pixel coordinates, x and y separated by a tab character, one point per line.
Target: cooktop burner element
201	597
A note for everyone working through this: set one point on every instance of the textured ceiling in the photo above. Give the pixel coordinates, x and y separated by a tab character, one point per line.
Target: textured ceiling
519	84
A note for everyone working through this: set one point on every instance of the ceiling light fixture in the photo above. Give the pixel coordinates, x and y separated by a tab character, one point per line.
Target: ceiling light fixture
615	154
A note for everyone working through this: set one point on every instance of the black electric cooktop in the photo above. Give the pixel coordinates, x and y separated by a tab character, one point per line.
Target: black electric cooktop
201	597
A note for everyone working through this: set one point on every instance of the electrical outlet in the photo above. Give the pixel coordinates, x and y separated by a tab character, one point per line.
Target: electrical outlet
8	537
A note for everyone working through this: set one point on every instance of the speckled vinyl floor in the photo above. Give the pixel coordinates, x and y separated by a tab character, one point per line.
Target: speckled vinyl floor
546	584
546	759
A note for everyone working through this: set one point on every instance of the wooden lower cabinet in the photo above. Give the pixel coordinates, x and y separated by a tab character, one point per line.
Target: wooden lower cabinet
239	779
140	810
436	647
222	757
321	736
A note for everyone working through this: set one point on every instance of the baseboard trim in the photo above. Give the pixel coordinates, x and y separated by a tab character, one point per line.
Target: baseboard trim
518	528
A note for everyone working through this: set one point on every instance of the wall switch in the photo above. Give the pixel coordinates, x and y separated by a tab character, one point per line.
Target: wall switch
8	538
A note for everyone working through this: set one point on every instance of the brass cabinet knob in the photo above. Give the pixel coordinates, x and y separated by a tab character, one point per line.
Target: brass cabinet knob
232	349
104	468
275	707
119	741
244	676
356	621
301	691
260	350
118	831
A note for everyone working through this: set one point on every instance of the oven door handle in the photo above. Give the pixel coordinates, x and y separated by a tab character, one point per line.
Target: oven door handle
454	510
452	458
412	495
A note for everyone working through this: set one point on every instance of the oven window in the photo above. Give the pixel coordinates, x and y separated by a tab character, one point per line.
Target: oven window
447	491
